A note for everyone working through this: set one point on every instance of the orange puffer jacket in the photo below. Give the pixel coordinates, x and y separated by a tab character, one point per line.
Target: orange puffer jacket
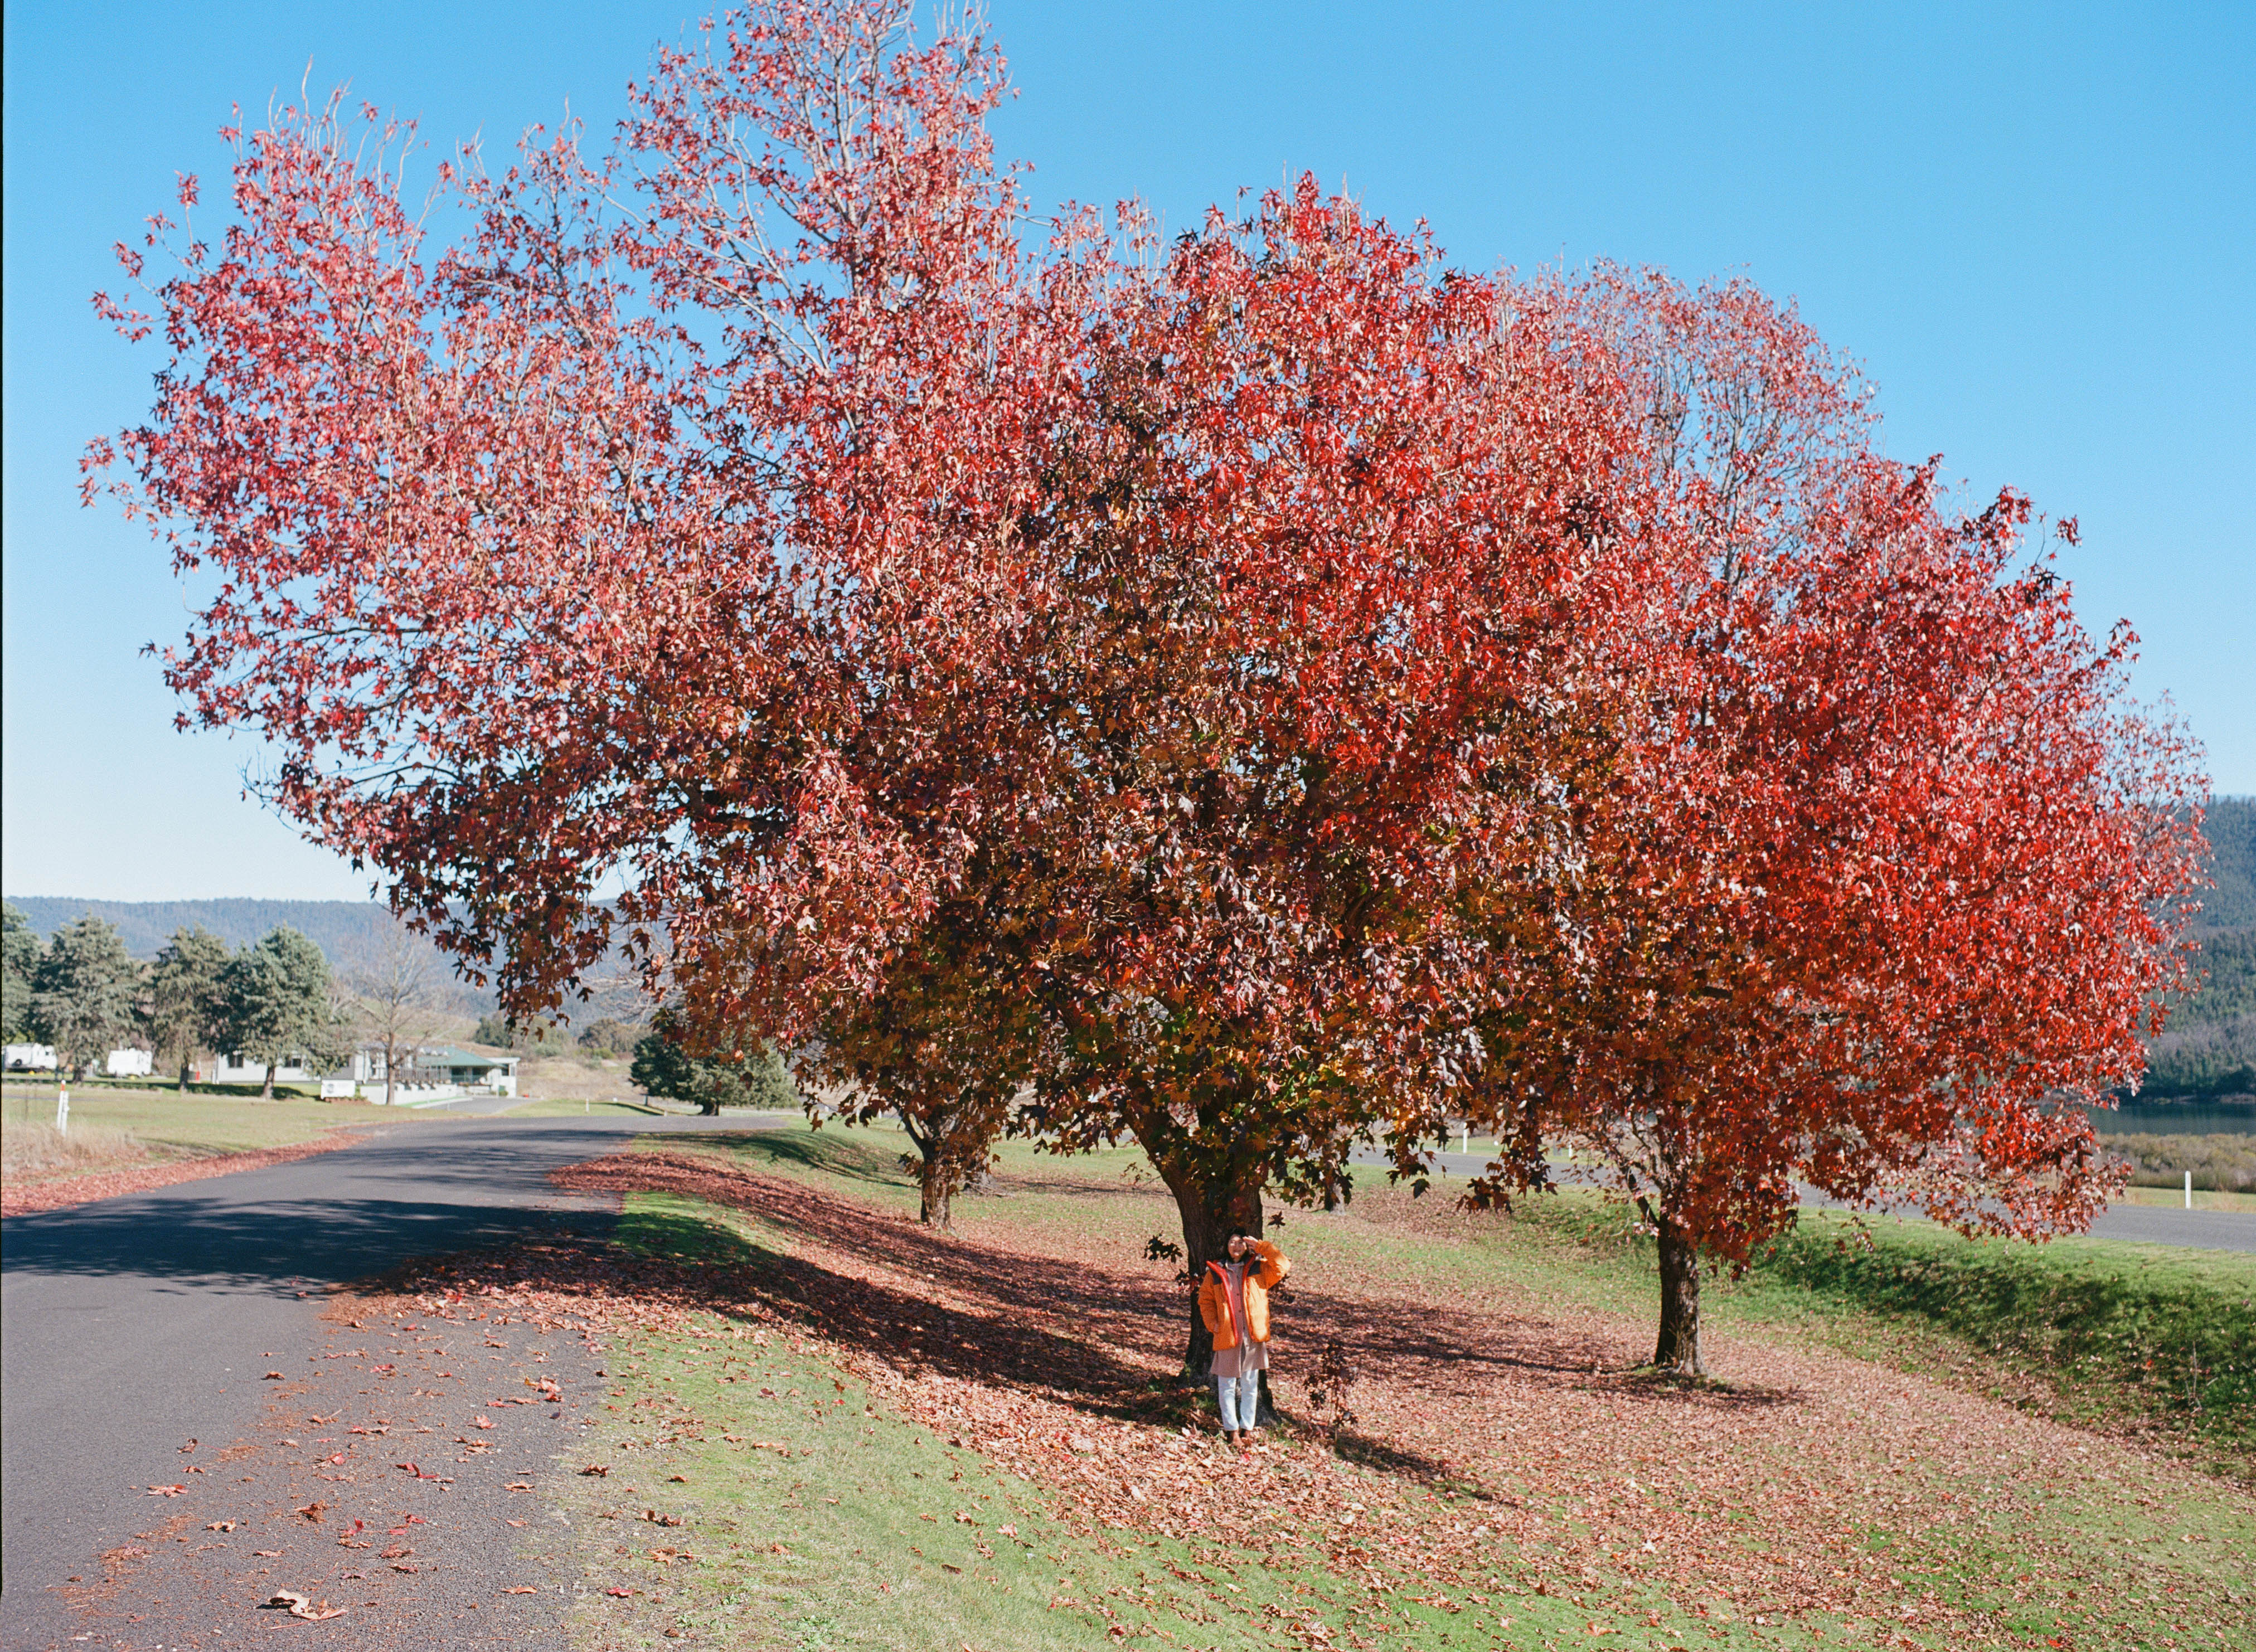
1213	1297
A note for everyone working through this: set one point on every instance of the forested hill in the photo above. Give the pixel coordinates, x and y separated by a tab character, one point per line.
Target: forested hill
352	934
2207	1050
2231	828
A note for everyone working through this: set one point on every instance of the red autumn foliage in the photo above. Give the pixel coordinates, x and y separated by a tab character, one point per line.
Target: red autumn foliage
1258	692
1875	873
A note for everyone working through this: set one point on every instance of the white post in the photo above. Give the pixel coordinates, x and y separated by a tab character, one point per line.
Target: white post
1464	1138
2189	1190
62	1111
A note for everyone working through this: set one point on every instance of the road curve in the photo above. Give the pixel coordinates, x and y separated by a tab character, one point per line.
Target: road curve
130	1325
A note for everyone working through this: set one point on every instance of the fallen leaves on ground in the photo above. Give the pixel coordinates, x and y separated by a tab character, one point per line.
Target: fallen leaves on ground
67	1190
1500	1447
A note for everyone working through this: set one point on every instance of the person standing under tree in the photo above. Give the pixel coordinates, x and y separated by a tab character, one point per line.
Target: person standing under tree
1234	1302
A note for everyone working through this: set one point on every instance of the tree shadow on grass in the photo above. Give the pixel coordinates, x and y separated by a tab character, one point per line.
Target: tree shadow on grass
929	1303
1105	1342
1643	1385
1386	1456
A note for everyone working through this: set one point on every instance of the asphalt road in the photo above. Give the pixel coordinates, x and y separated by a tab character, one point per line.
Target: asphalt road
131	1326
2139	1224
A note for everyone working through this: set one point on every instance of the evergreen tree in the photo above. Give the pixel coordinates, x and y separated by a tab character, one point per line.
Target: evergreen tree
83	994
22	959
278	1002
755	1078
188	997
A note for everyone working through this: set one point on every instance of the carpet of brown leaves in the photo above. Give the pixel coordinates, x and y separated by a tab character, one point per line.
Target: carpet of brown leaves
64	1192
1488	1437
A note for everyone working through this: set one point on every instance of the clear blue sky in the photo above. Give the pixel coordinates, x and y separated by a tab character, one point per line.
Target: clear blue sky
2032	222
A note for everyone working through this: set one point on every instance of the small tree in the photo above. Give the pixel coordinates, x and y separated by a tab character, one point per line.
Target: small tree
751	1077
19	958
278	1001
188	997
946	1046
84	993
391	1001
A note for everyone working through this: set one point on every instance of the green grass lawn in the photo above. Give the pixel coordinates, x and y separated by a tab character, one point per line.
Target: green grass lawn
833	1521
170	1126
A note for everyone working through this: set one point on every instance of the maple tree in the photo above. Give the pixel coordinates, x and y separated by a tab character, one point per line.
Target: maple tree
1876	874
947	1045
1306	565
794	549
1252	693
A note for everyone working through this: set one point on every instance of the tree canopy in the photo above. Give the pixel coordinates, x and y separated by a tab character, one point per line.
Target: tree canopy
187	1007
1254	694
20	957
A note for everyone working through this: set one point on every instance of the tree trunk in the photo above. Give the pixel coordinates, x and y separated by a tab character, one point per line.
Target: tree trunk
1212	1209
935	1204
266	1092
188	1060
1678	1349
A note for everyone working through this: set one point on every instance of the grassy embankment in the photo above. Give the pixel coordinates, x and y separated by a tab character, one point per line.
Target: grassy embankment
833	1521
2151	1340
2223	1164
2170	1198
116	1128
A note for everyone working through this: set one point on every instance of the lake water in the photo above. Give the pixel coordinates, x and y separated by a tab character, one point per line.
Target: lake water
2177	1118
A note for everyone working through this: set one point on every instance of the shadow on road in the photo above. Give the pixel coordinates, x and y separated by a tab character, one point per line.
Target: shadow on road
335	1217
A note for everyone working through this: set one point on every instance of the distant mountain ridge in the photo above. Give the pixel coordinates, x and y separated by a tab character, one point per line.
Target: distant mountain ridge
352	934
2208	1049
